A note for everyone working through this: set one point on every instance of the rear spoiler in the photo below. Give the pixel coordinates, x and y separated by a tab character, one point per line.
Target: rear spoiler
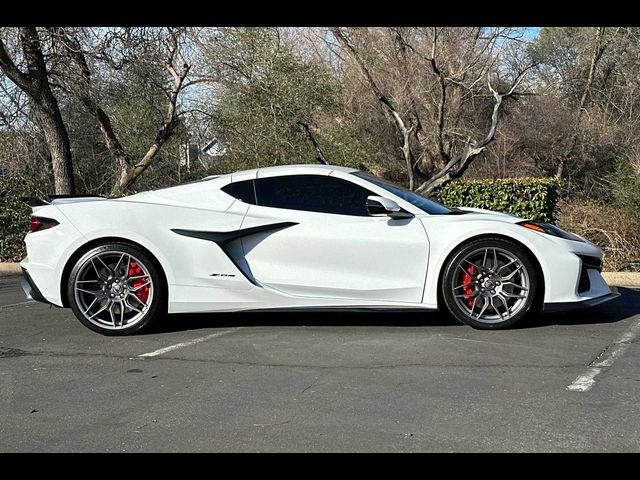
34	201
38	202
56	197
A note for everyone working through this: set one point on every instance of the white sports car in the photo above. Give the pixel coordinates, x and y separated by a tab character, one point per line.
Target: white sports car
303	236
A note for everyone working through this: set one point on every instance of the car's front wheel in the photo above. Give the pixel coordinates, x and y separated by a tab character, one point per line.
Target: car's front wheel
115	289
489	284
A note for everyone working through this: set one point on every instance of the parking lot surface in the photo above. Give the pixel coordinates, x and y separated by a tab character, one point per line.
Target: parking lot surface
322	382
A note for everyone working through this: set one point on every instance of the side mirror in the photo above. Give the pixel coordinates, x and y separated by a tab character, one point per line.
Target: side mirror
384	207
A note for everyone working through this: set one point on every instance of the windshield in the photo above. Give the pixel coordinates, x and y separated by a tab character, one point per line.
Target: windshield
424	204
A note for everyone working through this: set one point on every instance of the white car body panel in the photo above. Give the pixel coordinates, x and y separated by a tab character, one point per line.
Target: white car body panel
339	256
320	260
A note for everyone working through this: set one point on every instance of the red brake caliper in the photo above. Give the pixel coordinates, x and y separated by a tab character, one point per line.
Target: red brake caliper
468	289
134	271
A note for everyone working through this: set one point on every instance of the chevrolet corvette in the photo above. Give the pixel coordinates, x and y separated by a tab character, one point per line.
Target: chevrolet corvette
298	237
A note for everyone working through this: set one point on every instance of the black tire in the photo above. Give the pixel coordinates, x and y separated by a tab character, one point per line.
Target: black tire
525	305
149	314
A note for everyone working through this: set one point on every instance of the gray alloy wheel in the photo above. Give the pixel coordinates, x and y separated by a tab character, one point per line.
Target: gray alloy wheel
115	289
490	284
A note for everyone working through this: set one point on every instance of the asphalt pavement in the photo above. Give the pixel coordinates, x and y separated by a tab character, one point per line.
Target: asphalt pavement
320	382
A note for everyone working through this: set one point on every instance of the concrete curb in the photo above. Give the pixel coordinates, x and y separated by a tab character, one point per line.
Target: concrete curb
622	279
7	269
619	279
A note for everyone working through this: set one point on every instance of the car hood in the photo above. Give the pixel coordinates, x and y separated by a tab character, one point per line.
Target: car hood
491	214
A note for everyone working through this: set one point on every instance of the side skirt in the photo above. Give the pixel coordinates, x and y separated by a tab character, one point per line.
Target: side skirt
345	308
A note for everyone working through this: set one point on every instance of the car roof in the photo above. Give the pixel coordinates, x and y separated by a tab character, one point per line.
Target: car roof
305	167
287	170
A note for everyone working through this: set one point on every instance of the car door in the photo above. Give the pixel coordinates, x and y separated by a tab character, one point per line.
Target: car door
329	246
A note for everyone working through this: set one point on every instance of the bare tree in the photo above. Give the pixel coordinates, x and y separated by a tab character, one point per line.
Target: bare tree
82	86
598	50
457	164
442	154
178	69
404	125
35	83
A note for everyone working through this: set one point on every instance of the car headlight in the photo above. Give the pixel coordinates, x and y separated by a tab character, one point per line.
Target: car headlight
550	230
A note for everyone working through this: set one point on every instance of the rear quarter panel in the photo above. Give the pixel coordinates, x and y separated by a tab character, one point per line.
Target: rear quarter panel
185	261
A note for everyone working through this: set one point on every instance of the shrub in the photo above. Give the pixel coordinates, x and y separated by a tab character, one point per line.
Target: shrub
14	217
626	189
530	198
615	230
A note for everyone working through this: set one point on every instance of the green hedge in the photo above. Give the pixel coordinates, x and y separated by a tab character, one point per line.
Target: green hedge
529	198
14	217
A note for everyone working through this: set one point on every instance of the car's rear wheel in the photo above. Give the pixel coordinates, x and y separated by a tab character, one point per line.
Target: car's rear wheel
115	289
489	284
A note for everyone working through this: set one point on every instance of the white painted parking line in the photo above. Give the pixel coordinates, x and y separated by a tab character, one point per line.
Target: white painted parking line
585	381
188	343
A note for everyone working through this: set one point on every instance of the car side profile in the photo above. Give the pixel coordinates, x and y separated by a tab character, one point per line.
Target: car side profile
300	236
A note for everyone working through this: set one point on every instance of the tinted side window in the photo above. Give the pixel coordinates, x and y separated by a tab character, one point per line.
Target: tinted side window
242	191
313	193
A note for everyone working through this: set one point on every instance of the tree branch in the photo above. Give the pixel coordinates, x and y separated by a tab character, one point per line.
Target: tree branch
14	74
82	90
319	155
404	130
457	165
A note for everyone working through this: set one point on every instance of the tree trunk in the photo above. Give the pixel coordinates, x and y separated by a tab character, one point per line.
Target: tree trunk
49	119
35	83
129	173
319	154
